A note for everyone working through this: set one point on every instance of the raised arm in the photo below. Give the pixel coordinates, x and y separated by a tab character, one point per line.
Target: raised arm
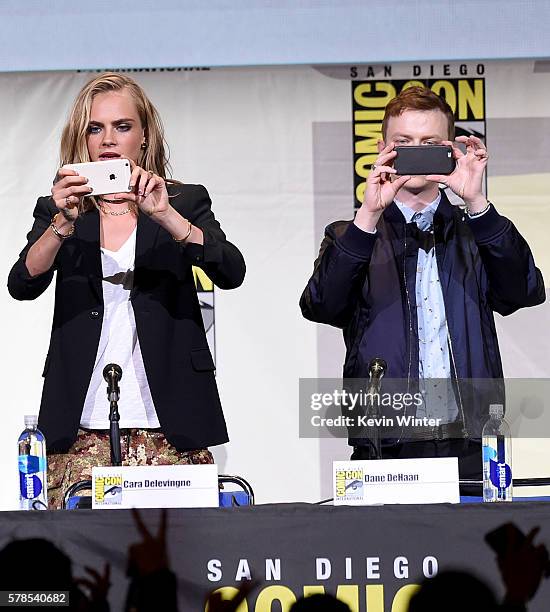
25	284
189	219
339	274
220	259
514	280
53	223
340	270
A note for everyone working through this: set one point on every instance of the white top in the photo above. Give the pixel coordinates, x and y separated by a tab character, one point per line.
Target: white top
119	344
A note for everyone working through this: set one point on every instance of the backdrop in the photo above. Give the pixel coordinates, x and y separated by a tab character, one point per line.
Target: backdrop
283	151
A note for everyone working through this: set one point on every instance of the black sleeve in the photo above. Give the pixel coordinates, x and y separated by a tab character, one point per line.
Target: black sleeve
21	285
514	280
220	259
339	274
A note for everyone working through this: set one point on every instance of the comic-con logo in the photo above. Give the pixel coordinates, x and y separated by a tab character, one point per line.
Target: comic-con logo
108	490
349	484
465	96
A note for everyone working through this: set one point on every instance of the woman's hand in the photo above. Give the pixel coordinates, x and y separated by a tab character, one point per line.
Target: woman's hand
67	191
148	192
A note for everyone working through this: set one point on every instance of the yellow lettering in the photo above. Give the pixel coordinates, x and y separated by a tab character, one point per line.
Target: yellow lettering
363	94
354	474
375	597
316	589
413	84
368	115
449	92
349	594
229	593
372	133
113	480
364	163
403	596
470	99
99	489
202	282
281	594
340	484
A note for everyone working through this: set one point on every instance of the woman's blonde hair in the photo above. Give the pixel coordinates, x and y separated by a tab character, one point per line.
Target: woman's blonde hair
74	149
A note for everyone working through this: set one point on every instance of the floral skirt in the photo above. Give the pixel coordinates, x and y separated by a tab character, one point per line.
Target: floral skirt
92	449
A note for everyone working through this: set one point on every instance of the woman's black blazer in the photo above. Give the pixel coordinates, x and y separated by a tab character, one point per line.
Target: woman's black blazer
178	362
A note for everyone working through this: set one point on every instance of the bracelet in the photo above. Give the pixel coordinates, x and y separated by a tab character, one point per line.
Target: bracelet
189	230
57	233
481	212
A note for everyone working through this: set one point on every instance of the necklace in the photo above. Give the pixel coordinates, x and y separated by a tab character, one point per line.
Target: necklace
114	213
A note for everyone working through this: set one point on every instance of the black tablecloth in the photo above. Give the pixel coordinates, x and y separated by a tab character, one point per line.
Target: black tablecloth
285	544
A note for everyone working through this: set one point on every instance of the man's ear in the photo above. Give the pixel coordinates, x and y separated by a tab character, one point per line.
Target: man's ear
381	145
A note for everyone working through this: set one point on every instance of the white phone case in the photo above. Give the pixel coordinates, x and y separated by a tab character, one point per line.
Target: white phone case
109	176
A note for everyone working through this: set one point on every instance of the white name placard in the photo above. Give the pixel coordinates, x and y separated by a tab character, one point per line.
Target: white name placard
396	481
155	486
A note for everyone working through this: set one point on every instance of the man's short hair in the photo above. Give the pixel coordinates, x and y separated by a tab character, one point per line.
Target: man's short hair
419	99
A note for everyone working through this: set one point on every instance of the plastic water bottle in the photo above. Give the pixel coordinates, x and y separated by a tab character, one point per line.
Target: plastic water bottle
33	484
497	457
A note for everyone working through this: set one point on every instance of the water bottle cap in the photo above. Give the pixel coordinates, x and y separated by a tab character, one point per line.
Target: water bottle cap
31	420
496	410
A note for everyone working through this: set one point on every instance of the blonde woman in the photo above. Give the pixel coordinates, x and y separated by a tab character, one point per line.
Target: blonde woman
124	294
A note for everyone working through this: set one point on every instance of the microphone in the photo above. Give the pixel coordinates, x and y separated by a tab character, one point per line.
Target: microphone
112	373
377	369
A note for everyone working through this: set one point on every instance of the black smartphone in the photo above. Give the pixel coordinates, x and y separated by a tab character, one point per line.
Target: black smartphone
424	159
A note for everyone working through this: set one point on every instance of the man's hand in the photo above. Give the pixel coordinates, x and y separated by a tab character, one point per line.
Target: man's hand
522	566
97	583
149	555
467	178
380	190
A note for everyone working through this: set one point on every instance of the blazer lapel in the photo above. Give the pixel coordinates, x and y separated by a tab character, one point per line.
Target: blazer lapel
147	231
87	232
146	235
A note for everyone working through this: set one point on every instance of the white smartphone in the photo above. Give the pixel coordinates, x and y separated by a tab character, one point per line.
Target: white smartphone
109	176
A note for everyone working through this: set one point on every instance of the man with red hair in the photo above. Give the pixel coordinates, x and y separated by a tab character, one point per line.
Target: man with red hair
415	280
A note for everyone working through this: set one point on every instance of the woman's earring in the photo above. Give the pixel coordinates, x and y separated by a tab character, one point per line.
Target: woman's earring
143	145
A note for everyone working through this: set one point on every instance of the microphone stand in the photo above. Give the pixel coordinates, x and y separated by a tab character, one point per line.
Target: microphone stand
112	374
377	369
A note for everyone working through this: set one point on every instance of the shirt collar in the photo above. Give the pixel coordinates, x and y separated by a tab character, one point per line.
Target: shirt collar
428	212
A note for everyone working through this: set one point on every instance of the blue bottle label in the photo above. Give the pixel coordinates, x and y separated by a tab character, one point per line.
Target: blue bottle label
31	464
500	474
489	453
30	486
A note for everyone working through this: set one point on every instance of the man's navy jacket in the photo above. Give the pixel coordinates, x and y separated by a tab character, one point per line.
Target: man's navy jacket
365	284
